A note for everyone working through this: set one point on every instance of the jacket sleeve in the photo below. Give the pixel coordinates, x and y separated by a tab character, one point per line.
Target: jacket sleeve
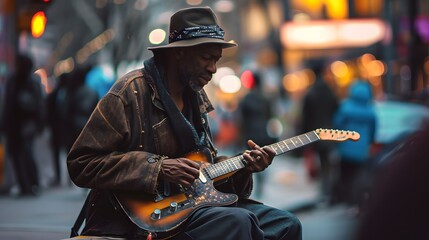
99	157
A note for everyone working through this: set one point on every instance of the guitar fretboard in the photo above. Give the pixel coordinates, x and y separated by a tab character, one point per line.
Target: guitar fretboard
235	163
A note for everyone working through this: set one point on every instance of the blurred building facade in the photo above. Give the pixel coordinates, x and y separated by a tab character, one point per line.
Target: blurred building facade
383	41
271	33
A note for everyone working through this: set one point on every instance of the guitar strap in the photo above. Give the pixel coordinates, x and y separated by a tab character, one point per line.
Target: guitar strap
80	218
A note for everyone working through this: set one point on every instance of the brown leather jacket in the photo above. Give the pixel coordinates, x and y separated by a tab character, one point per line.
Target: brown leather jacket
116	150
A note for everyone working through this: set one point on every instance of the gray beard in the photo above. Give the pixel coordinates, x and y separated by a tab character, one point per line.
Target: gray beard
194	87
187	78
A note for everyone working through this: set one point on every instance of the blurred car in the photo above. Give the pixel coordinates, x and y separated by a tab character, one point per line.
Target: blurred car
398	119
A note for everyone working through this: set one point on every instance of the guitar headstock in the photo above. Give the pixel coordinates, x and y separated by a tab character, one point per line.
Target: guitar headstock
337	135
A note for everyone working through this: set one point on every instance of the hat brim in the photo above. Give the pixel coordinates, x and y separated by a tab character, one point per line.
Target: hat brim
194	42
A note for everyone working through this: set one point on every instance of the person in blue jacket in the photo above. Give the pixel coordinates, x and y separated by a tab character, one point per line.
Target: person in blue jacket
355	113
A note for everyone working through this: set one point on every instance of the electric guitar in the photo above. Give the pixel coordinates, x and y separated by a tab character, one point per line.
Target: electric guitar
162	216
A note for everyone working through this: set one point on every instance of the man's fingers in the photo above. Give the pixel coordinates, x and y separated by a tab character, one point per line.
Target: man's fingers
251	144
180	171
193	167
186	180
190	163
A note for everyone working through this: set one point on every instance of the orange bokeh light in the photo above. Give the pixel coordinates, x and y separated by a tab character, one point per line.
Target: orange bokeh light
38	23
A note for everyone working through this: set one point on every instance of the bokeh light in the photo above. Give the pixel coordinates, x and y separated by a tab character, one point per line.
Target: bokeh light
157	36
230	84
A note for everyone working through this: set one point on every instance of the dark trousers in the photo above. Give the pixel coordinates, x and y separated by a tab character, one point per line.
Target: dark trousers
250	220
25	166
348	187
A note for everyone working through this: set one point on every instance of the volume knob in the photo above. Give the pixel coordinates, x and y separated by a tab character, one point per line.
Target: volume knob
173	206
156	214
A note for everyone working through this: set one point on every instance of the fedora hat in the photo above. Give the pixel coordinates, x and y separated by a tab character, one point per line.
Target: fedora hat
194	26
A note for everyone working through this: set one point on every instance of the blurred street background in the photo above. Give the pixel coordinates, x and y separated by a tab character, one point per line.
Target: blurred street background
358	65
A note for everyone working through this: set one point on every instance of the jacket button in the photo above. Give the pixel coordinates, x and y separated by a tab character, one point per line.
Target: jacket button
151	160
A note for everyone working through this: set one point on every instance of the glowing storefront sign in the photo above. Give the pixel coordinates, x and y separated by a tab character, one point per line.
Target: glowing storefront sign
332	33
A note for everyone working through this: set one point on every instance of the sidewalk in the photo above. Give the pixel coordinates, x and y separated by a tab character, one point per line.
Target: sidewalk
48	216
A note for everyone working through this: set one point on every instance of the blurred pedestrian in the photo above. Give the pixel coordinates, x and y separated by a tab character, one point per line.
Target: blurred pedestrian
82	101
356	113
69	107
255	112
57	115
23	121
318	107
100	78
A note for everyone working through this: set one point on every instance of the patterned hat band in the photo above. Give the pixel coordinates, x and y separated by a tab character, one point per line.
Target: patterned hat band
212	31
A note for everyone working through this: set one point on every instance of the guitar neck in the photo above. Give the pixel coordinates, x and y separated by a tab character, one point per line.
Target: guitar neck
236	163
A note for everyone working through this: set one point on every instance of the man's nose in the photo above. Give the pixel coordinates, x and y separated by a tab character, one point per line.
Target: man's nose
211	67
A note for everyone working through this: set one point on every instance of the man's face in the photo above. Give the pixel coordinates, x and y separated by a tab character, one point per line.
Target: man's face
198	64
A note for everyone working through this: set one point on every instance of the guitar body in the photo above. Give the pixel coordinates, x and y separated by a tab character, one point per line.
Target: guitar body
174	210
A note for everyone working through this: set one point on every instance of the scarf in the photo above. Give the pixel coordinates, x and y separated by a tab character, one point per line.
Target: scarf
188	131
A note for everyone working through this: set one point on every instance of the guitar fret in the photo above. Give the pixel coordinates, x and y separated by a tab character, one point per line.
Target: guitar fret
308	138
205	172
212	172
223	168
219	169
240	162
300	140
233	165
230	165
283	146
315	135
227	167
280	147
275	148
303	139
293	143
208	171
218	173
